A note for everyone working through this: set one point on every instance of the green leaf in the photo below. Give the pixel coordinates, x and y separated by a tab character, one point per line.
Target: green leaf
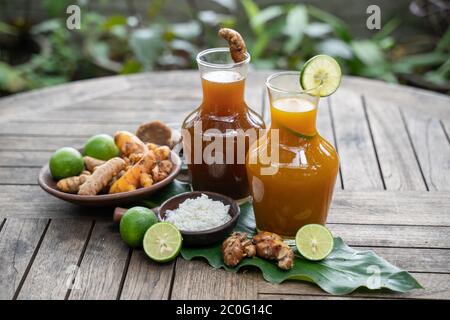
259	20
296	23
335	48
339	26
147	45
187	30
228	4
317	29
342	272
368	52
246	222
156	199
387	29
131	66
113	21
444	43
251	10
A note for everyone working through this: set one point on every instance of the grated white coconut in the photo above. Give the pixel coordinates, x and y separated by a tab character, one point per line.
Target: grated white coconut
198	214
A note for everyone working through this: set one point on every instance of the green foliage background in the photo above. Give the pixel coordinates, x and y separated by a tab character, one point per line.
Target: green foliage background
278	37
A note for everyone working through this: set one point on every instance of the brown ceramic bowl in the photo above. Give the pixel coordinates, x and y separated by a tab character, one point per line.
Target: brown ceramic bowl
204	237
47	183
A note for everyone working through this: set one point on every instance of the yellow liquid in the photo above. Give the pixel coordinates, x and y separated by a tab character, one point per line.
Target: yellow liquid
300	192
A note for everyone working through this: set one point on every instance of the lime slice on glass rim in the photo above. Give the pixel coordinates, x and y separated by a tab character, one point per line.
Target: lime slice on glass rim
321	72
162	242
314	242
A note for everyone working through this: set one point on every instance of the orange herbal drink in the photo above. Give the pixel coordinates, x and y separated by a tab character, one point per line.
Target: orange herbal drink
299	188
215	156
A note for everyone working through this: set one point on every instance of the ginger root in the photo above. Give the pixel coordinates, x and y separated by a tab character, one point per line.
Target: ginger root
235	42
131	180
102	175
91	163
236	247
128	143
163	166
271	246
72	184
155	132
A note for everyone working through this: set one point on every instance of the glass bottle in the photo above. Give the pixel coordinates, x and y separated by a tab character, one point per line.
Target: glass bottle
222	116
293	185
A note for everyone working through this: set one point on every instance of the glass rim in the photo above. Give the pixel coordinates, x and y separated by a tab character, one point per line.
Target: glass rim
312	92
220	65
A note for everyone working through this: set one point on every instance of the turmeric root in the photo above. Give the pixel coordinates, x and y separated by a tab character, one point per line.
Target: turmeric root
236	247
146	180
236	43
101	177
91	163
155	132
128	143
132	178
271	246
72	184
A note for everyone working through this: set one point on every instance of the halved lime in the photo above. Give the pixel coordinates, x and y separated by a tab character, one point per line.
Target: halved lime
314	241
162	242
322	72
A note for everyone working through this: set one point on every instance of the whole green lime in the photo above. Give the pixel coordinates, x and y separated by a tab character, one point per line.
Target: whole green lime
101	147
66	162
134	223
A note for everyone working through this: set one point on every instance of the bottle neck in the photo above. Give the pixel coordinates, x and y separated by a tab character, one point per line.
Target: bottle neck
222	94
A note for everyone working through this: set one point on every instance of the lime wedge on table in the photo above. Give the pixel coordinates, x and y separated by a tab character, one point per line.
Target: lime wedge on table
314	242
322	72
162	242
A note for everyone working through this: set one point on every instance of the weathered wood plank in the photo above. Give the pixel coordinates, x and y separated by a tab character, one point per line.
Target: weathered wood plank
437	286
56	261
18	240
102	266
432	148
197	280
395	153
38	143
359	167
350	207
24	158
147	280
18	175
393	236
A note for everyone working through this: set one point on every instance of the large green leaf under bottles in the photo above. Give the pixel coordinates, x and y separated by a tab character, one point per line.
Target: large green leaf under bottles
342	272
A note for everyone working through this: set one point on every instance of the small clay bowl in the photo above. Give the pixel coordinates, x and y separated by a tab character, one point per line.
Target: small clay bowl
204	237
47	183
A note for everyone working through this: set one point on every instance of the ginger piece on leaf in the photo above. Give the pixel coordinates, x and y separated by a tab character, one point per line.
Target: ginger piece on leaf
91	163
155	132
236	247
72	184
128	143
102	175
235	42
271	246
131	180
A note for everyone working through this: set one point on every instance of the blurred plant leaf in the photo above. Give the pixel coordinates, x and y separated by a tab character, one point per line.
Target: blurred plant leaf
251	10
409	63
228	4
262	17
296	22
213	19
337	24
147	45
131	66
187	30
444	43
55	8
46	26
387	29
8	29
368	52
263	40
10	79
182	45
335	48
113	21
317	29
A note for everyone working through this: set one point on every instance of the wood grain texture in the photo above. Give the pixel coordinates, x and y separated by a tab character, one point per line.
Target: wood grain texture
198	281
398	163
437	286
38	143
18	240
147	280
56	261
24	158
102	265
18	176
359	167
432	147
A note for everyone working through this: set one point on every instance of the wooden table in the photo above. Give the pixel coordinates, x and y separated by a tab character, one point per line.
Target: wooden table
392	196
